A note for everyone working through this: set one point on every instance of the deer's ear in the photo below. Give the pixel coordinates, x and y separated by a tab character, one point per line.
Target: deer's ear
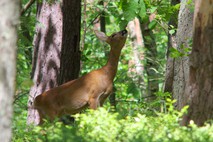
102	36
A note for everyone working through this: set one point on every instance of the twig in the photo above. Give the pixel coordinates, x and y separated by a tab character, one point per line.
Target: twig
85	27
135	101
27	6
17	97
92	22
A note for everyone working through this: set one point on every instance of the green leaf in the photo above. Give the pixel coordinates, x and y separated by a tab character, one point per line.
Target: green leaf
130	9
171	32
174	53
153	9
142	9
152	25
123	24
133	89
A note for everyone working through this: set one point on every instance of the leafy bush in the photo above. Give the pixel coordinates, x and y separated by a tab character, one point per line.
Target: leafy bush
104	126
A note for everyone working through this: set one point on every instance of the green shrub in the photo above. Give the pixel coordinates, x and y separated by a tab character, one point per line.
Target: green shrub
104	126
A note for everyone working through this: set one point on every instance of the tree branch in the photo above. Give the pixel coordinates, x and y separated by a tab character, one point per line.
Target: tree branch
27	6
99	14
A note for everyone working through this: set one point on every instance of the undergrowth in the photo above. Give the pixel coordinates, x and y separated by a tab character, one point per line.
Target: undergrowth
105	126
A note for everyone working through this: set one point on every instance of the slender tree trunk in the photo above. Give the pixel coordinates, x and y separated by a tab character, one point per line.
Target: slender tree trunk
136	67
169	75
47	48
102	19
151	58
181	64
9	13
199	91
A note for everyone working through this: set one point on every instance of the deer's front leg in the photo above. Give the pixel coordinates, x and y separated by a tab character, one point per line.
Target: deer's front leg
94	103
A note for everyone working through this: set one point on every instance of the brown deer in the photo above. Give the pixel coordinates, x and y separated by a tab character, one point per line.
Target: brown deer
90	90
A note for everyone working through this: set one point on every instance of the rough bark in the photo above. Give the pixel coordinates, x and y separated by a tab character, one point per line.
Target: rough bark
183	38
9	13
70	53
47	48
199	91
171	44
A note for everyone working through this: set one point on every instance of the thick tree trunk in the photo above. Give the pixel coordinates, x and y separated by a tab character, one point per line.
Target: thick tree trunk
56	53
183	38
70	54
47	48
9	13
199	91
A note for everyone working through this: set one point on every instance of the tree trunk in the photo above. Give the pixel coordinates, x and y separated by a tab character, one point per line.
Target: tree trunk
9	13
199	91
70	54
169	75
183	38
151	58
56	60
136	67
47	48
102	19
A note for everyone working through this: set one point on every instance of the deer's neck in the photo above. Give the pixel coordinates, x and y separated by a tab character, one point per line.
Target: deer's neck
112	64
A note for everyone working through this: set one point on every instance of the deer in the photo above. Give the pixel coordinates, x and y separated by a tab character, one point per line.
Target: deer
88	91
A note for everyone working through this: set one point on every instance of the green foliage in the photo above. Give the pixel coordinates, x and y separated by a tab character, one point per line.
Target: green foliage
191	5
142	10
103	126
183	51
24	52
152	25
118	14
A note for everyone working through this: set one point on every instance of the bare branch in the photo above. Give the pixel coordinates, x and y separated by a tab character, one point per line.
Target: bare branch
99	14
27	6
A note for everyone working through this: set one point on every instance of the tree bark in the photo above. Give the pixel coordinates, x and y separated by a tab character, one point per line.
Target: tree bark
169	75
70	54
47	48
199	91
181	65
136	67
9	13
56	57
